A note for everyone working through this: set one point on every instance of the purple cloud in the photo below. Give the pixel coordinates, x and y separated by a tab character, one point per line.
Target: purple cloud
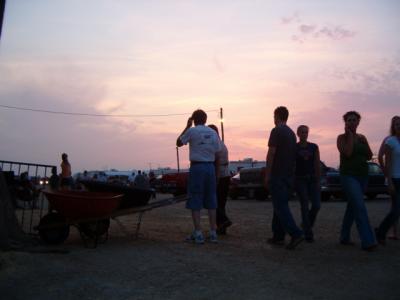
335	33
306	31
294	18
382	76
307	28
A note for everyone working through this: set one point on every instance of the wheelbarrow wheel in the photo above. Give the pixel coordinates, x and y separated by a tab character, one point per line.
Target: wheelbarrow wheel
53	228
95	229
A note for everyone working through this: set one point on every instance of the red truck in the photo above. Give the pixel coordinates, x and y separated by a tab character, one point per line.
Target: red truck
173	183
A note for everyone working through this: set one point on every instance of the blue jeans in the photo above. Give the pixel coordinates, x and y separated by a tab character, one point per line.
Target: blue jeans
394	213
282	221
353	188
308	190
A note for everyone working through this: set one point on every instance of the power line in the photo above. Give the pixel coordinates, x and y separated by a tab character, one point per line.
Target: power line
95	115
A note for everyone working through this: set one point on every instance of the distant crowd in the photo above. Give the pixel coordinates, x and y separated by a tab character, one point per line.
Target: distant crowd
65	180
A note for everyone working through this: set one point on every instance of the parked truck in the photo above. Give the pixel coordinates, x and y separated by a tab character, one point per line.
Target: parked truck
249	183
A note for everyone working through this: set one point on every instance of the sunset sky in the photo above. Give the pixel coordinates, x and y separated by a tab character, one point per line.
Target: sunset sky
168	58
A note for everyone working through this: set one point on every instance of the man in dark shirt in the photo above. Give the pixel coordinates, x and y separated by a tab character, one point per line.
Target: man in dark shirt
281	159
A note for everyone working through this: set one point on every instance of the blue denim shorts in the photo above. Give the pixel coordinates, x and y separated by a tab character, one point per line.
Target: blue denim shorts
202	187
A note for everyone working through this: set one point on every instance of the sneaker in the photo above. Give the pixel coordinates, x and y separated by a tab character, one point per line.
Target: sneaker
294	242
213	238
195	238
276	242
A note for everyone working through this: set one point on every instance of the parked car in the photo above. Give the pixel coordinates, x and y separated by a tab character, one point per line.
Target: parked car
331	186
249	183
173	183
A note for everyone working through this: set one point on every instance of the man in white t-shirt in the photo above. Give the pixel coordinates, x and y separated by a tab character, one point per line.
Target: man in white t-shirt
203	145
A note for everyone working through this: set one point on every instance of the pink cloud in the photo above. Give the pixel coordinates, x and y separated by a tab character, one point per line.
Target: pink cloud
379	77
308	32
306	29
294	18
334	33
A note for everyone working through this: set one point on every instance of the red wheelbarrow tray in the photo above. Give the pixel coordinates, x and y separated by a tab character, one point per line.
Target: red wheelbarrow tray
74	205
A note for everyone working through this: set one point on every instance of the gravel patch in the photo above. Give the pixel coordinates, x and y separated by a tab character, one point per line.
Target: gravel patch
159	265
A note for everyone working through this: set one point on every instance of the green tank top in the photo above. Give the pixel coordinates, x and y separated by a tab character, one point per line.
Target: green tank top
356	164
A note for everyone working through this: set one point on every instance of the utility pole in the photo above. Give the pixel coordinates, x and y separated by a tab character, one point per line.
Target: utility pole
2	9
221	114
177	158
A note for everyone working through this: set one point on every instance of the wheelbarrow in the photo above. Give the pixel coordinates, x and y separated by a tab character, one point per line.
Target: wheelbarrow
89	211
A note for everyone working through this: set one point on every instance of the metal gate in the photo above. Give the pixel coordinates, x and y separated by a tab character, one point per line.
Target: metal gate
25	182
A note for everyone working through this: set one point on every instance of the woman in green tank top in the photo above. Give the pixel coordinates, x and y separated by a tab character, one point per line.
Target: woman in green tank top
356	163
354	153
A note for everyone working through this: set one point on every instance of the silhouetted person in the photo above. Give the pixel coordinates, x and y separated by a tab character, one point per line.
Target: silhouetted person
26	191
141	181
308	177
203	145
354	153
223	181
392	173
381	159
281	159
66	174
54	180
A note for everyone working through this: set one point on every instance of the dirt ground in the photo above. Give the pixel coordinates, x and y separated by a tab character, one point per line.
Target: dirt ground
159	265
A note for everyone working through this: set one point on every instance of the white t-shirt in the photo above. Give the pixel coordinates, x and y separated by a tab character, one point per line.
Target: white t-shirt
203	143
394	143
223	166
